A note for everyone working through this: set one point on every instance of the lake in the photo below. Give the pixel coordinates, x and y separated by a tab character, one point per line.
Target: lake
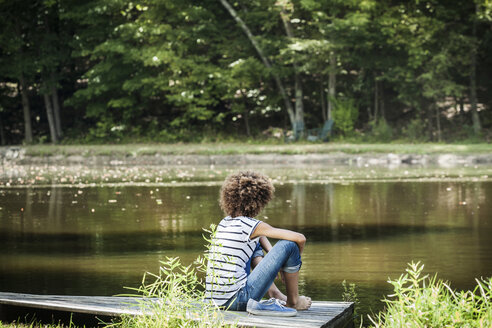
97	238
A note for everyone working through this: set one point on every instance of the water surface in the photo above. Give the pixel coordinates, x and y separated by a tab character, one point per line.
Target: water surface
96	240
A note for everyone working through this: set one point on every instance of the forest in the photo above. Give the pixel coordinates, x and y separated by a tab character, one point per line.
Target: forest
115	71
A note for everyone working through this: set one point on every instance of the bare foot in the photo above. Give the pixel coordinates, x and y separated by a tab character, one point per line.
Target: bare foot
303	303
278	295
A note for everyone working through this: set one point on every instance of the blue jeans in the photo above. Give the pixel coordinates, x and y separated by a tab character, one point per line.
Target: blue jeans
283	255
256	253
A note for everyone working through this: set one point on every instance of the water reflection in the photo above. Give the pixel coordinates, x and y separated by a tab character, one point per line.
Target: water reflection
94	241
89	175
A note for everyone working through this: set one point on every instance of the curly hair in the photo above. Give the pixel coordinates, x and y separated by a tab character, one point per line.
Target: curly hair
245	194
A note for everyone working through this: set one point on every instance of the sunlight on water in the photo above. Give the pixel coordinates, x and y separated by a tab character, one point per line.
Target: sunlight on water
94	241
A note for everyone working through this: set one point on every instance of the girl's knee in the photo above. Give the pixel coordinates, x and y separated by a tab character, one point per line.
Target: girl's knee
288	245
293	262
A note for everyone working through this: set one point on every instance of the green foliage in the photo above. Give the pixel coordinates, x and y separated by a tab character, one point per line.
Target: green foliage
105	130
185	71
32	322
349	294
345	115
174	297
415	131
469	134
177	299
380	131
419	300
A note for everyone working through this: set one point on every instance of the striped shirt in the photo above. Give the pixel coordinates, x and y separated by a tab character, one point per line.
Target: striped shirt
228	254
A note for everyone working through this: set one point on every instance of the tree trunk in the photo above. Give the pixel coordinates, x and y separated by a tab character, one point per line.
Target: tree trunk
438	123
52	88
26	108
332	80
461	111
299	129
322	100
246	121
376	99
473	80
56	107
51	118
429	123
381	100
264	59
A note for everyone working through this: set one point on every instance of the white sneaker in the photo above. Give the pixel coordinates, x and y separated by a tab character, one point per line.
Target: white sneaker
271	307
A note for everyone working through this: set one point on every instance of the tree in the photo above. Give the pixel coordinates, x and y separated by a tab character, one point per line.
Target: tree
266	62
182	71
245	95
53	36
286	12
17	55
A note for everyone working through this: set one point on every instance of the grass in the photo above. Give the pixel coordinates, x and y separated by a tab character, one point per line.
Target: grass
250	148
178	288
33	325
424	301
174	297
418	301
177	294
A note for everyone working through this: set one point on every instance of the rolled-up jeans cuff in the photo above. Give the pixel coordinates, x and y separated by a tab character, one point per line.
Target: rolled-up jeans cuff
292	269
258	252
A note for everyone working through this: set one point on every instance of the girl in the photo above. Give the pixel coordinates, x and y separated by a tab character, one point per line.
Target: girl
242	196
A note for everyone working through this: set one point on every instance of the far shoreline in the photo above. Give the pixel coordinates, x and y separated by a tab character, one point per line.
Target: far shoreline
250	154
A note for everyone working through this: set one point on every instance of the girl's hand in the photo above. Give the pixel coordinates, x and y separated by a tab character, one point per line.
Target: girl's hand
265	244
264	229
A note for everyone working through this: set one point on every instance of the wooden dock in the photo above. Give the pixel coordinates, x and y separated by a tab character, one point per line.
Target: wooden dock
84	308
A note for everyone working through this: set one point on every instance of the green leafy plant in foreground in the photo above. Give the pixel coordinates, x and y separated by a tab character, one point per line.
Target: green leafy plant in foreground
349	294
174	298
36	324
423	301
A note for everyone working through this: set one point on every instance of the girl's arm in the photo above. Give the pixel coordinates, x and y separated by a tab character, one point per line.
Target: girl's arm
265	244
264	229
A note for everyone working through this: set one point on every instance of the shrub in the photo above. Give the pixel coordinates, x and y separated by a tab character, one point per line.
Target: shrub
350	295
381	131
415	130
422	301
345	115
174	298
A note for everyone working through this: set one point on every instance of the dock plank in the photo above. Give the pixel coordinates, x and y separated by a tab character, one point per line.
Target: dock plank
321	314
